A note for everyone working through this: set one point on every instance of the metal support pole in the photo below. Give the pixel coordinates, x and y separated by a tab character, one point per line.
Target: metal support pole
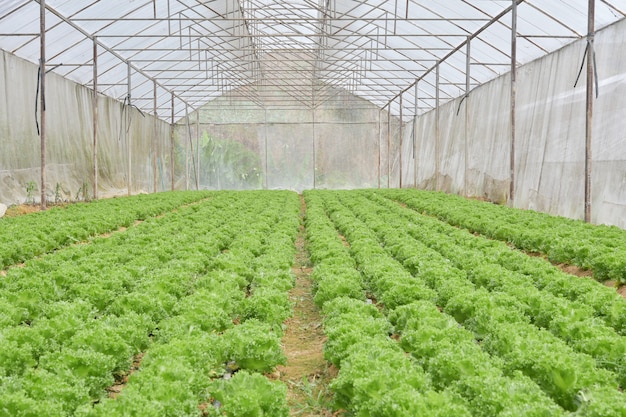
467	91
95	119
42	97
314	156
415	154
389	147
437	132
154	137
128	136
589	104
379	143
265	133
401	141
172	143
198	150
513	97
187	148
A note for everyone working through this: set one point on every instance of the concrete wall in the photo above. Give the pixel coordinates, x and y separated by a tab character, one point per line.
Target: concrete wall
474	153
69	139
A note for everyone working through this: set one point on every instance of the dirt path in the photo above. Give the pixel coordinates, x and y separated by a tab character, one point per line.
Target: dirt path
306	372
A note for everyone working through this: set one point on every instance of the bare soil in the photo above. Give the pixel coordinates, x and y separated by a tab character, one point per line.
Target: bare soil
306	373
120	384
22	209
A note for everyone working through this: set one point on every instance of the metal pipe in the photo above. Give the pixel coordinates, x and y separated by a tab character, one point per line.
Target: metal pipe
265	133
389	148
172	143
187	148
314	155
467	91
198	150
154	137
513	97
95	119
415	154
589	105
401	141
437	132
42	97
379	143
493	20
128	135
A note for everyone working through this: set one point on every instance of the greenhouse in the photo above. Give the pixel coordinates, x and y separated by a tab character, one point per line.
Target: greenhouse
312	208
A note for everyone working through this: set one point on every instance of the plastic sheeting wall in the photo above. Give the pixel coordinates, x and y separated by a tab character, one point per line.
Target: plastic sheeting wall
474	152
242	145
69	141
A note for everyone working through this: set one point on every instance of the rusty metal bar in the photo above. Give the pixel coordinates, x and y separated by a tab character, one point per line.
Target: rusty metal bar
589	106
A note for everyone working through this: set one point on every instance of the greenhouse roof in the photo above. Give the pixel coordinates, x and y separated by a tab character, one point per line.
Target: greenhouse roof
262	51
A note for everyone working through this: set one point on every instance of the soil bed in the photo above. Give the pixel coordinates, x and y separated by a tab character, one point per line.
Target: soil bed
306	373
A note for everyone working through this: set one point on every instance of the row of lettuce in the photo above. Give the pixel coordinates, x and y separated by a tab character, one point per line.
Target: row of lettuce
599	248
490	331
196	297
24	237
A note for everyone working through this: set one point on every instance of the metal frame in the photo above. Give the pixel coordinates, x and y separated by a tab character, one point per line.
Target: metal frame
306	50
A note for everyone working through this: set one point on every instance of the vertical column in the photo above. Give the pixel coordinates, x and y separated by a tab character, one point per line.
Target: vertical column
187	148
589	104
379	143
401	140
467	91
128	135
314	156
513	97
265	133
95	119
154	137
197	149
172	143
437	132
415	154
42	97
389	147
